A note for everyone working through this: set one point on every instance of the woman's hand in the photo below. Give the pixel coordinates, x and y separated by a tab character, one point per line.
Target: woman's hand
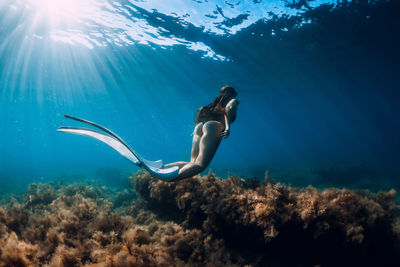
225	133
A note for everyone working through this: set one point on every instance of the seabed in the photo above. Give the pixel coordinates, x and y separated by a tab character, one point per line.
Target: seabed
200	221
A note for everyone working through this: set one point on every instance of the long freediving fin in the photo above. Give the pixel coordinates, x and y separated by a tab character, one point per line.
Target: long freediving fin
115	144
155	164
114	141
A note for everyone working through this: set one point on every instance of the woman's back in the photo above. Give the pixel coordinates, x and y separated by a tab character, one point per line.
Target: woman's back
217	109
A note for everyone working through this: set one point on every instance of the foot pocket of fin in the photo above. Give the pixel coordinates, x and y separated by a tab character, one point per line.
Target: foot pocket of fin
168	174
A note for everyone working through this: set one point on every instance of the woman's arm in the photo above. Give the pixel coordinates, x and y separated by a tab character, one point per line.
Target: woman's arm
230	113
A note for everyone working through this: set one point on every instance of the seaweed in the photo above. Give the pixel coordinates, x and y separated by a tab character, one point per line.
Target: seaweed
267	221
77	225
201	221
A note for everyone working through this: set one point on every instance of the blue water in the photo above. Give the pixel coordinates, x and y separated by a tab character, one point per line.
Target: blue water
317	83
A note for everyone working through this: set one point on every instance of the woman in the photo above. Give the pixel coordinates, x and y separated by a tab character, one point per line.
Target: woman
212	124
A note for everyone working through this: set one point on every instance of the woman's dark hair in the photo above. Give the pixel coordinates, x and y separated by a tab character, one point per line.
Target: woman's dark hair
217	107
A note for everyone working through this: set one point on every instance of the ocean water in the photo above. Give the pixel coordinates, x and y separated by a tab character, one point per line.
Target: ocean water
317	83
319	99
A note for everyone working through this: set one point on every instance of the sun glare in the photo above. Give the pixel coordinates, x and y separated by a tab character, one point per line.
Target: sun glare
63	11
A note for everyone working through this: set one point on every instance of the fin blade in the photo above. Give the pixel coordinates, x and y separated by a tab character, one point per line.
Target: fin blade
106	139
155	164
118	144
103	129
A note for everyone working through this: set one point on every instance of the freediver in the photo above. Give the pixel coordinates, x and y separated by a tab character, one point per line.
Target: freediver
212	123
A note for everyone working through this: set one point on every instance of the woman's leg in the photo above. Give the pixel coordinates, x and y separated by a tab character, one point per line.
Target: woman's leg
208	145
197	133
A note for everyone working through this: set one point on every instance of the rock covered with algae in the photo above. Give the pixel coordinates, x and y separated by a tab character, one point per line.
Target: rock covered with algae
77	225
270	223
204	221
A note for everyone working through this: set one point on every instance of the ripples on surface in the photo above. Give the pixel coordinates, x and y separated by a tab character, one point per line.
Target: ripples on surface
96	23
